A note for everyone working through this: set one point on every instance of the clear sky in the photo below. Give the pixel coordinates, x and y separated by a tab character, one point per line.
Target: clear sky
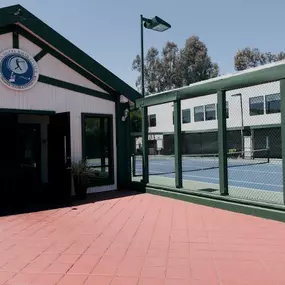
109	31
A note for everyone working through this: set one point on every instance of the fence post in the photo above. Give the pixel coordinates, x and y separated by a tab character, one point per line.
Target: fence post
134	164
282	98
145	162
177	144
222	140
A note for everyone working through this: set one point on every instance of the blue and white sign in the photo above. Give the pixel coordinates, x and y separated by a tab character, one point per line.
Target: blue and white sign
18	70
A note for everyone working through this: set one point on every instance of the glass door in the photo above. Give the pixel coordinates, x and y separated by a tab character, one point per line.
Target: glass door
29	154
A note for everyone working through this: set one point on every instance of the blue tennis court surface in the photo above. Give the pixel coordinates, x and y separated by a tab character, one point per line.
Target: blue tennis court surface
256	174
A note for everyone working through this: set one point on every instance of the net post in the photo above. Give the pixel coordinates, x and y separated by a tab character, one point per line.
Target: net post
222	140
268	149
282	102
177	144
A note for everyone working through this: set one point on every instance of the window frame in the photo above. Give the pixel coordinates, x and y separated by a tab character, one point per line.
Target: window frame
265	100
149	120
203	112
214	109
249	103
111	179
184	110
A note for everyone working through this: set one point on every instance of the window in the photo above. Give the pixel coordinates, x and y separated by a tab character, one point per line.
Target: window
210	112
152	120
186	116
256	105
272	103
199	113
97	141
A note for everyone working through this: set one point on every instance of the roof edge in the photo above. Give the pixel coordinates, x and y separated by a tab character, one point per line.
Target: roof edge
18	14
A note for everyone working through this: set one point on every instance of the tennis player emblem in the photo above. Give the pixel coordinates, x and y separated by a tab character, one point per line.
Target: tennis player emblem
18	70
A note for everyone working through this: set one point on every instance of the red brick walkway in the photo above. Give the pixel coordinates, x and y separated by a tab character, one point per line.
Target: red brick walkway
141	240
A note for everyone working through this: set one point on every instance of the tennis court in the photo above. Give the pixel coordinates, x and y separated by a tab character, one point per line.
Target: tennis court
260	173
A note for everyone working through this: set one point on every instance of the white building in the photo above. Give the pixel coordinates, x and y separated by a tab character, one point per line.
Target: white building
255	108
57	106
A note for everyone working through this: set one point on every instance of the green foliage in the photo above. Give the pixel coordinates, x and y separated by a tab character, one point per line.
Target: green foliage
174	67
252	57
136	121
80	169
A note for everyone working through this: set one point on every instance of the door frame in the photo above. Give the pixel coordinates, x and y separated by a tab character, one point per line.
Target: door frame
111	179
59	171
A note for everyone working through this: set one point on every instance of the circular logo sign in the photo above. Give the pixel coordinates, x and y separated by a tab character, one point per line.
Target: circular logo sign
18	70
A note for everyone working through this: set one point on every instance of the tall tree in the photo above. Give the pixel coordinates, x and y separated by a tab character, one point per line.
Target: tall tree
152	68
252	57
174	67
195	63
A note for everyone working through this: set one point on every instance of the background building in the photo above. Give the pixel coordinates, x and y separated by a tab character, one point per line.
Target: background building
253	123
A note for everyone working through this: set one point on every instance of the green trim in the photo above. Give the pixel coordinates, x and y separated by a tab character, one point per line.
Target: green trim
251	77
177	144
145	150
224	203
123	144
222	139
15	39
282	103
24	111
17	14
111	179
73	87
65	61
6	29
40	55
202	194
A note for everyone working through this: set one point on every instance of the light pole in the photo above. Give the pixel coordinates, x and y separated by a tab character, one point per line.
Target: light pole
159	25
242	125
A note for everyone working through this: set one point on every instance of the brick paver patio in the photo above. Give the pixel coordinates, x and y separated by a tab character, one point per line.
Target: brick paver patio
141	240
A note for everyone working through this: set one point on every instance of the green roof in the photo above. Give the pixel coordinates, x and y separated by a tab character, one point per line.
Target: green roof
17	15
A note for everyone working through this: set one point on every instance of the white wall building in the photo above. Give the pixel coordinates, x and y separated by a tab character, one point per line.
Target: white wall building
57	106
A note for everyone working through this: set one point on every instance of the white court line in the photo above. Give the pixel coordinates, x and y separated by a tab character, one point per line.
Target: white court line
232	169
232	180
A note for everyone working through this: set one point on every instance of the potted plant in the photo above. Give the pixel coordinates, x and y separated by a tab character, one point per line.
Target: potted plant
81	174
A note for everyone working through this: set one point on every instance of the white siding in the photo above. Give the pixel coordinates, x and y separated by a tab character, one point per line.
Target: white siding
163	112
52	67
28	46
47	97
49	65
6	41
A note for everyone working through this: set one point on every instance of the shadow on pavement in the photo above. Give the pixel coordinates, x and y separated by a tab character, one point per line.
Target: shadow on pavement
34	203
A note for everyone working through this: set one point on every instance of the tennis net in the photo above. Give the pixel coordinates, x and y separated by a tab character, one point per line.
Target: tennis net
164	164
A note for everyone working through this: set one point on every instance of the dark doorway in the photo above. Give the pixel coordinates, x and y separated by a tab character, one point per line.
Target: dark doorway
20	160
29	154
59	158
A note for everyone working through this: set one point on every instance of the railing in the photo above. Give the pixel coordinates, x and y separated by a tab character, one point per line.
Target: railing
240	135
